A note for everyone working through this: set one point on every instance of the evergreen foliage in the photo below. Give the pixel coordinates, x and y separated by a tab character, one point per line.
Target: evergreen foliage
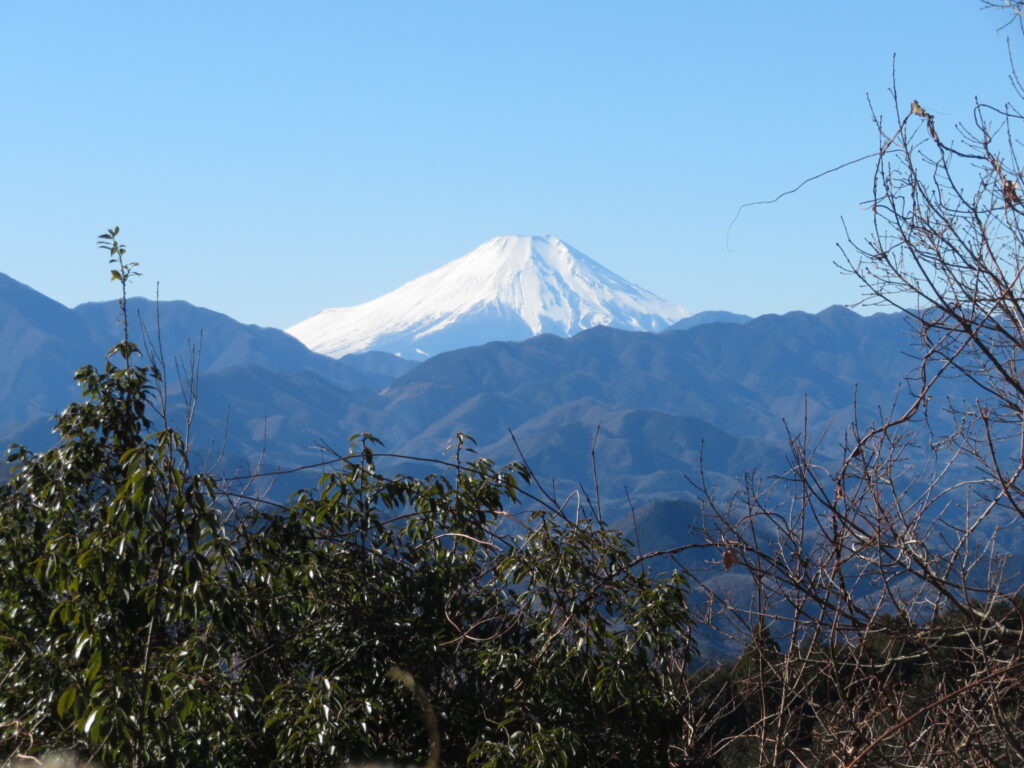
150	617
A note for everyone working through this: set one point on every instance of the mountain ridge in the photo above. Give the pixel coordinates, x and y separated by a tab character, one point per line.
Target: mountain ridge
652	397
43	342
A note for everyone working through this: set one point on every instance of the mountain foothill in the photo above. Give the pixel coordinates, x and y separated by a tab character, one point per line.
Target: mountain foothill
594	378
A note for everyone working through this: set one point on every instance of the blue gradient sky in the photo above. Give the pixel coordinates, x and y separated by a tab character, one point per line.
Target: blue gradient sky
271	159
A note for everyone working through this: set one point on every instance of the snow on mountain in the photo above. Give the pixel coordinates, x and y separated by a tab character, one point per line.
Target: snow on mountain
508	289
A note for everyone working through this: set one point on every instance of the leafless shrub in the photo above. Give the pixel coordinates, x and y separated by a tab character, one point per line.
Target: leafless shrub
882	611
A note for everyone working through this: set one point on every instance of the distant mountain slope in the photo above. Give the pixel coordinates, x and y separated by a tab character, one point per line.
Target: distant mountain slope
660	405
703	318
38	337
222	342
508	289
42	343
612	419
742	378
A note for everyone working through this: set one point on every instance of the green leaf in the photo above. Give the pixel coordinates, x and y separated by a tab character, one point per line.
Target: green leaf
93	667
66	700
83	640
91	727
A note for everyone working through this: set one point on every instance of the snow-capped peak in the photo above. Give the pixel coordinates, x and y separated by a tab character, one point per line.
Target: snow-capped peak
507	289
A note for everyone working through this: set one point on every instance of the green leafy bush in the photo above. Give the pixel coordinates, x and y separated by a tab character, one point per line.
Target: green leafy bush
149	616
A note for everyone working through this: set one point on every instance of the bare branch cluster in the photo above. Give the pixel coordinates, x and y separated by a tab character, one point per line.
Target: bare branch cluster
880	606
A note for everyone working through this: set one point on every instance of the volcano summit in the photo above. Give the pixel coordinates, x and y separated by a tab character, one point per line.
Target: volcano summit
508	289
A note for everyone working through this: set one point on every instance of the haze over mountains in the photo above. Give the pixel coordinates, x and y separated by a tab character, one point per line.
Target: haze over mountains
716	392
507	289
662	403
624	421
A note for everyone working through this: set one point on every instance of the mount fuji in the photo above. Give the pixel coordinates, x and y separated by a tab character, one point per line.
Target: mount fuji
507	289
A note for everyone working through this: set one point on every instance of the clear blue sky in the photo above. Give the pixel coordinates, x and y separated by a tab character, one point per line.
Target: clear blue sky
270	159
